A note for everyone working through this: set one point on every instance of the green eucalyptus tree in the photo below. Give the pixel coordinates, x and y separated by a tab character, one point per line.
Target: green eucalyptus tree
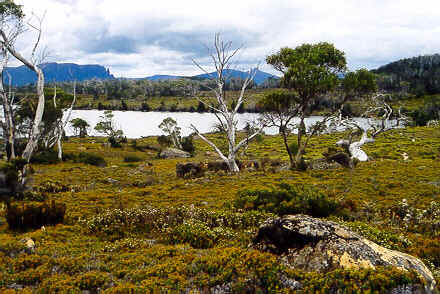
170	128
310	71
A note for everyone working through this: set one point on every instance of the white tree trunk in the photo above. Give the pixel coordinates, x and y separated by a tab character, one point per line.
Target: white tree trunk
60	148
355	149
9	134
35	131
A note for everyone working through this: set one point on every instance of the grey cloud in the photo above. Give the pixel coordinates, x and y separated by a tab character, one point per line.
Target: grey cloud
97	38
114	44
154	38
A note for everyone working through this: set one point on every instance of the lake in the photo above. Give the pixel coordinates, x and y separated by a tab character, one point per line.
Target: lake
136	124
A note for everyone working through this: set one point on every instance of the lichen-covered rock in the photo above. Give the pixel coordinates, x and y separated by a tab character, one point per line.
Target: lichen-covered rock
173	153
311	244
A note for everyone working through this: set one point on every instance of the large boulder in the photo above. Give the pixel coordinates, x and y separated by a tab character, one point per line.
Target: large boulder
311	244
173	153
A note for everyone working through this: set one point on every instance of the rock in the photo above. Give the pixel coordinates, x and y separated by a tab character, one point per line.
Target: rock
30	245
173	153
322	164
405	156
433	123
15	286
290	283
312	244
222	289
112	181
407	289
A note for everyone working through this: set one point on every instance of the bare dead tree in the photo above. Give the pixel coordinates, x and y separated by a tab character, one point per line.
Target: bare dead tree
56	134
381	117
11	26
7	102
32	63
225	113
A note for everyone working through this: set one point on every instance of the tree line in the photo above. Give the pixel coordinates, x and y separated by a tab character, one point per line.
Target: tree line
142	89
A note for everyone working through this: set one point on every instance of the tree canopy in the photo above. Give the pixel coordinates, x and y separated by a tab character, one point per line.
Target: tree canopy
309	69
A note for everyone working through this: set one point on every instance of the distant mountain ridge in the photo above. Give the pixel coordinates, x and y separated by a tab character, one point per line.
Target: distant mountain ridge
162	77
260	76
58	72
61	72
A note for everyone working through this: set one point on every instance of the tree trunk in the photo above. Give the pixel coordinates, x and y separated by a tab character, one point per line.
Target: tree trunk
355	147
8	114
10	127
60	148
286	144
301	147
232	165
35	132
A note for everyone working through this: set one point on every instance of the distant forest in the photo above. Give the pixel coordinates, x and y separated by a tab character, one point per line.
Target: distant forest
142	89
418	75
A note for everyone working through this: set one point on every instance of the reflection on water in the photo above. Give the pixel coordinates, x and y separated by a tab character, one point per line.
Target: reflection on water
136	124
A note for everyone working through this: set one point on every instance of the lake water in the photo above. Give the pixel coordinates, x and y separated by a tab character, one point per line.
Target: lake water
136	124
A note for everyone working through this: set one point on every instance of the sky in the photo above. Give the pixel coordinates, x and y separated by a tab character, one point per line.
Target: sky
139	38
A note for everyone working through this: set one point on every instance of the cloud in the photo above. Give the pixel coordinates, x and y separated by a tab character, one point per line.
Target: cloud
140	38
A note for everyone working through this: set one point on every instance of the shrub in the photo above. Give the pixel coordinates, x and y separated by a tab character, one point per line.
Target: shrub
147	219
132	158
45	157
164	141
195	233
34	215
145	107
425	220
293	147
188	144
9	172
429	111
91	159
115	142
286	199
92	280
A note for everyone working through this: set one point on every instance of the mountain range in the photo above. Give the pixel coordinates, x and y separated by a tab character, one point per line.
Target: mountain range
57	72
61	72
260	76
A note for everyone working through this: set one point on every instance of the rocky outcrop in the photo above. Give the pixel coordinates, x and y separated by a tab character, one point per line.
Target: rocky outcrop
173	153
311	244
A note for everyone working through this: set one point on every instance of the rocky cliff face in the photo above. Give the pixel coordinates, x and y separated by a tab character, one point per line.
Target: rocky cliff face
311	244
